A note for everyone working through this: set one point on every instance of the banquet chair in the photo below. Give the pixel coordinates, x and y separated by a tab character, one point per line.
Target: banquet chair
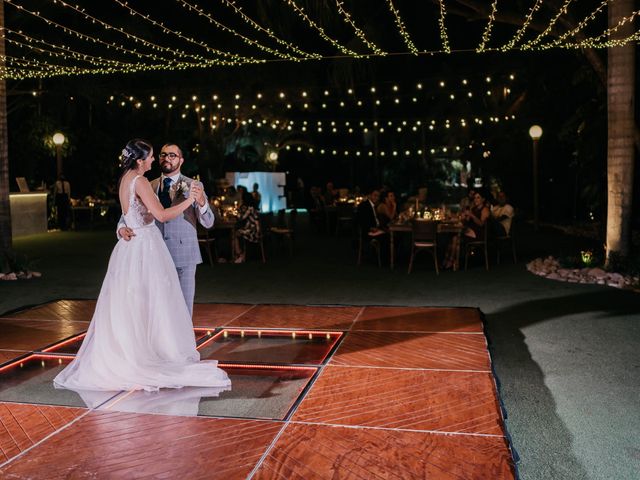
344	217
206	241
472	245
508	241
424	236
371	243
259	244
284	229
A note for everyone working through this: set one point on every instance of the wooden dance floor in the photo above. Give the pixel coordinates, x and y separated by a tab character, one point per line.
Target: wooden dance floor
318	392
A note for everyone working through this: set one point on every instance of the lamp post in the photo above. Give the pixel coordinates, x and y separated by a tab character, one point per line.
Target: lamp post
58	140
535	132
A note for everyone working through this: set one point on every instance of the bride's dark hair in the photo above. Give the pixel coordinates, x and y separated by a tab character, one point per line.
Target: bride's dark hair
136	149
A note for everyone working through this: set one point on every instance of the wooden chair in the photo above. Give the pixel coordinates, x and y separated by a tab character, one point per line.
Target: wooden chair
372	243
506	240
474	244
424	236
344	217
206	240
284	229
259	244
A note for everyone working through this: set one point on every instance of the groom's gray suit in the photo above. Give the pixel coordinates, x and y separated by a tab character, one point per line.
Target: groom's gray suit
181	238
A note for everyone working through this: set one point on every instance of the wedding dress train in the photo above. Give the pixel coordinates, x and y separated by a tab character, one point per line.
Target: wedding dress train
141	335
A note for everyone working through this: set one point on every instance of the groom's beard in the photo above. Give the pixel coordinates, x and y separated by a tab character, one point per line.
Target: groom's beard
168	169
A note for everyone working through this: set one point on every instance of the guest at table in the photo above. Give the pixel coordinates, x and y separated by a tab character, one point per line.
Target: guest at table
419	201
330	194
367	216
232	196
467	200
474	220
502	214
387	209
247	227
316	209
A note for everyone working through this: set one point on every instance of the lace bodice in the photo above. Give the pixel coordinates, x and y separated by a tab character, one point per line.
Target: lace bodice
137	214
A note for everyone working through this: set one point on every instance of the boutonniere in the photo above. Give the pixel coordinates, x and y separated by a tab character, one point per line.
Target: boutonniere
181	187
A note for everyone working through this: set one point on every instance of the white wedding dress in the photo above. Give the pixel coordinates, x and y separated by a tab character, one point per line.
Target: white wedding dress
141	335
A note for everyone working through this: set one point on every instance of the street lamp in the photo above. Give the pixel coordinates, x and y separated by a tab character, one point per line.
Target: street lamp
535	132
58	140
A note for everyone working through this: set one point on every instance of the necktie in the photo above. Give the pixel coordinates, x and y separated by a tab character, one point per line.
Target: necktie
163	195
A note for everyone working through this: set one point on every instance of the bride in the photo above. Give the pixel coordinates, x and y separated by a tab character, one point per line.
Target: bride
141	335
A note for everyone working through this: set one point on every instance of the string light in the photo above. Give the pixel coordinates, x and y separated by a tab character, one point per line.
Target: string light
516	38
562	11
82	36
255	25
579	27
443	30
590	42
224	28
66	60
486	35
300	11
403	31
359	33
165	29
128	35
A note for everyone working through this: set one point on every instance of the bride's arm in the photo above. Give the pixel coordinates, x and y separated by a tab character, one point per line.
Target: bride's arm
150	200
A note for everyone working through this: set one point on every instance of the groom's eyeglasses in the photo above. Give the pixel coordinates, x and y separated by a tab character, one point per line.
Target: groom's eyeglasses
171	155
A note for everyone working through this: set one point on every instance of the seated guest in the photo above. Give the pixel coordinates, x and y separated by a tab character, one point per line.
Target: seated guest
419	201
316	209
467	200
330	194
247	226
232	196
474	220
387	210
367	217
502	213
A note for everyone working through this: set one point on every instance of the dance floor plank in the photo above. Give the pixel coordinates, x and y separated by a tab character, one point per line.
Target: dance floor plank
450	351
315	452
420	319
298	316
124	445
443	401
217	314
70	310
22	426
33	334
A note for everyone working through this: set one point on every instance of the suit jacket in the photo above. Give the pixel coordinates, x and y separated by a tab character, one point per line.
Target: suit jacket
181	234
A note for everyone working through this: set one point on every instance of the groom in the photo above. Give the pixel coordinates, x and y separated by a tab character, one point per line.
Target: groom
180	234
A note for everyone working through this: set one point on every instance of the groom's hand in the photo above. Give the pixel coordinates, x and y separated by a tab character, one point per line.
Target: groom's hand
126	233
198	192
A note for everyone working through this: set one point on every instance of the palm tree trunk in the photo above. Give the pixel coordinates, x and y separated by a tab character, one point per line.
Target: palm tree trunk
5	212
620	148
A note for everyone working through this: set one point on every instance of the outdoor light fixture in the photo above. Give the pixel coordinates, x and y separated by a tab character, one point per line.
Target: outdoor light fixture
535	132
58	140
